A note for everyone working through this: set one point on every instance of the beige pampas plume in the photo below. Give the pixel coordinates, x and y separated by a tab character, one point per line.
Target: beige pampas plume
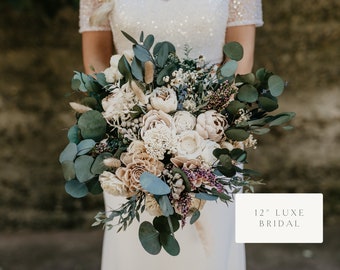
138	92
112	162
149	72
79	108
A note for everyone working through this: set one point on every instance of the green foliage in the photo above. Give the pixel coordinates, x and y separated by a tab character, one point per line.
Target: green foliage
92	125
149	238
76	189
153	184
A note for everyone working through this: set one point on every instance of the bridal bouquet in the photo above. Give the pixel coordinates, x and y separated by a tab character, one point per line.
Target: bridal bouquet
167	134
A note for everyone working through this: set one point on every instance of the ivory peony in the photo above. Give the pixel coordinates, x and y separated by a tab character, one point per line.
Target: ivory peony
211	125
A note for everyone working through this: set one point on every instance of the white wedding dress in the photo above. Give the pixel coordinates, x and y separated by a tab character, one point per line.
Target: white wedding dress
210	243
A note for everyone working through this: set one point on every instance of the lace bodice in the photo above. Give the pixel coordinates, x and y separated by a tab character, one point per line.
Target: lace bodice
200	24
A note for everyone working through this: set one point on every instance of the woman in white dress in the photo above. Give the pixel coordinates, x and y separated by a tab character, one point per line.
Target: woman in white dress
205	25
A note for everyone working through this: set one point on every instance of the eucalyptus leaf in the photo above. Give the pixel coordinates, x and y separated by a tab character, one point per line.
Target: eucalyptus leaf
260	131
238	154
268	104
149	238
233	50
161	224
246	78
69	153
82	166
141	37
227	171
89	102
229	68
165	205
276	85
159	45
148	42
94	186
129	37
205	196
75	82
124	68
237	134
141	53
225	160
101	79
221	195
234	107
76	189
162	55
281	119
247	93
68	170
220	151
137	69
170	244
288	127
249	172
92	125
98	167
153	184
195	216
73	134
85	146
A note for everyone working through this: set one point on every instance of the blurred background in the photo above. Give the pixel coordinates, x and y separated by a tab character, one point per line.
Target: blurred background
41	227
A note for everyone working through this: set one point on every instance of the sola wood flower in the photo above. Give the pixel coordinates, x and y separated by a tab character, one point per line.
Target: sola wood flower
112	185
211	125
164	98
189	144
117	106
184	121
136	164
152	206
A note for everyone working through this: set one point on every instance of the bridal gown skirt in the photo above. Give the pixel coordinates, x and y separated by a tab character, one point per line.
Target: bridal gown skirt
209	244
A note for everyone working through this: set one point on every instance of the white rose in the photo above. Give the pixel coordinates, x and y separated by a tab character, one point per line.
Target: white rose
211	125
189	144
208	147
184	121
112	185
164	98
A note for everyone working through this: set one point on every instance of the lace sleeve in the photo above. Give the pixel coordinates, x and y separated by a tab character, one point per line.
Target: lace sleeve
86	9
244	12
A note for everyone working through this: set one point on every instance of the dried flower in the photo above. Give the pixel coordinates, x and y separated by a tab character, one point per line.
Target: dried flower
164	98
79	108
211	125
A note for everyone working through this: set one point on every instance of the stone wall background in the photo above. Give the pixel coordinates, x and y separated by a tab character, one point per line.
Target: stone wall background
38	53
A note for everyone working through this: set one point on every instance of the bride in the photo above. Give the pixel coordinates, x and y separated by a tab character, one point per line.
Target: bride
205	25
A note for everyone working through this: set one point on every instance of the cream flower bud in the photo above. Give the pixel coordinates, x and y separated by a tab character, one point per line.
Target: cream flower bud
152	207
